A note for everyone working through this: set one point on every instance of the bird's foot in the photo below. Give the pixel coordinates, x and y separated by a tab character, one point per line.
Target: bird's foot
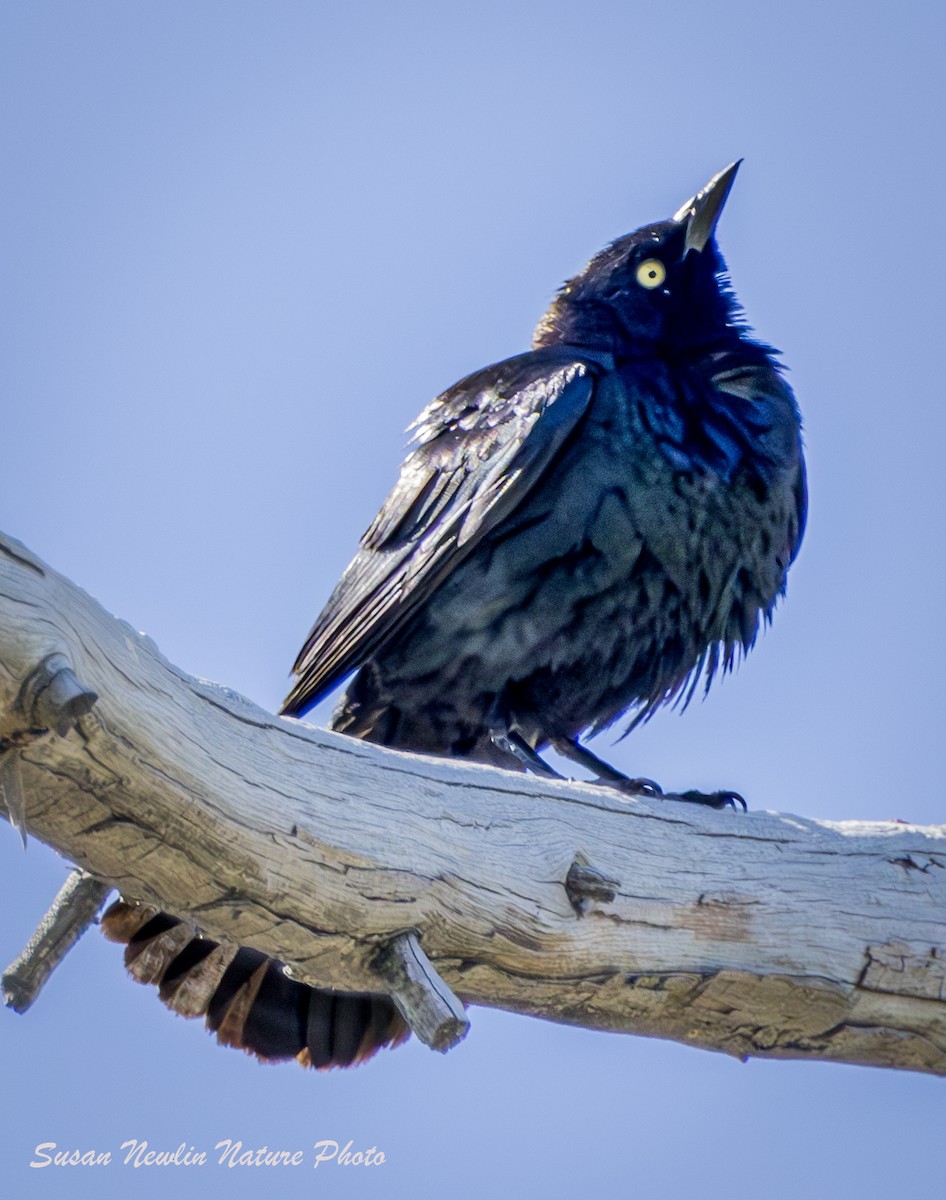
634	787
653	791
609	776
709	799
606	775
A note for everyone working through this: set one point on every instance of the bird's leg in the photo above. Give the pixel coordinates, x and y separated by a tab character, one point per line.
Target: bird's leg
573	749
516	745
606	774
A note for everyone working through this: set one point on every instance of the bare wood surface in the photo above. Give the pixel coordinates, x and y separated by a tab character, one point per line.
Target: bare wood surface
71	913
755	934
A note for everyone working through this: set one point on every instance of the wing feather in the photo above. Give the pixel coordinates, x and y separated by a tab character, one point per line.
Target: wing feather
481	447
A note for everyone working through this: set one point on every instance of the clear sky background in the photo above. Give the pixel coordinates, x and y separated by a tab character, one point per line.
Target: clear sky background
242	245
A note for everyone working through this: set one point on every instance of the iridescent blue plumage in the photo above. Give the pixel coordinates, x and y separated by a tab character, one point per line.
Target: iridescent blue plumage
581	531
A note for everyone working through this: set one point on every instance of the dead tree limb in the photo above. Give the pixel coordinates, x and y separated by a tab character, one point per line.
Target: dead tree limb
757	934
70	914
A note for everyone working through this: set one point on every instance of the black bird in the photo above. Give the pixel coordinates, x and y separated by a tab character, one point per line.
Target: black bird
582	532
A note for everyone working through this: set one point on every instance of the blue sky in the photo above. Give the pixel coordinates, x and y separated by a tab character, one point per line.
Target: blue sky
241	246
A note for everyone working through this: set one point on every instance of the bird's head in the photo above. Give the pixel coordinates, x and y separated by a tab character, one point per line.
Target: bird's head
661	287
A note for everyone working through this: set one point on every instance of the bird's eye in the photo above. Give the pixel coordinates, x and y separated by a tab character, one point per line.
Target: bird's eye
651	273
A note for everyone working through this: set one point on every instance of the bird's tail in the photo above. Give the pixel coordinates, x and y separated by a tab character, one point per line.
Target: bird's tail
248	999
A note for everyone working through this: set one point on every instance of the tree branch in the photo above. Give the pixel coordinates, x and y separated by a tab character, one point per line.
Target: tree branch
71	913
757	934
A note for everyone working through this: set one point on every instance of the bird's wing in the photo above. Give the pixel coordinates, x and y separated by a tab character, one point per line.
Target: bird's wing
482	446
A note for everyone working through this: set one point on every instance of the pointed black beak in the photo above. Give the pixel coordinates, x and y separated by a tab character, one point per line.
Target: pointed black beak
702	212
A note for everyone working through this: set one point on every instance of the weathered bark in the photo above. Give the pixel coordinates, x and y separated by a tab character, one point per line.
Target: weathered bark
756	934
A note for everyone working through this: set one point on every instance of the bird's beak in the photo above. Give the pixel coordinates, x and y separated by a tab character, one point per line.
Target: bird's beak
702	212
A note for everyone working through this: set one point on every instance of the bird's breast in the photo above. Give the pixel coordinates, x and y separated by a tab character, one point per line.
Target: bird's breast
619	570
690	487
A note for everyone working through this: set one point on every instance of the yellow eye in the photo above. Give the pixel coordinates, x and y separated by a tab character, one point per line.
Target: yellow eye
651	273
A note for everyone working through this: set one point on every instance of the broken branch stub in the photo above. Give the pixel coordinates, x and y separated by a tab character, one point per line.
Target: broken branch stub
53	697
422	998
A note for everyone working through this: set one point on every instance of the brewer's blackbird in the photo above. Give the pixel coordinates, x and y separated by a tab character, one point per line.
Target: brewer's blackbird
582	533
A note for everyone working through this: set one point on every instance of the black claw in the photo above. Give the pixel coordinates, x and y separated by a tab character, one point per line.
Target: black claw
636	787
710	799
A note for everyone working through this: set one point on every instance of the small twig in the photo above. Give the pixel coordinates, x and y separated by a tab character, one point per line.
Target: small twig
71	913
584	883
53	698
422	998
